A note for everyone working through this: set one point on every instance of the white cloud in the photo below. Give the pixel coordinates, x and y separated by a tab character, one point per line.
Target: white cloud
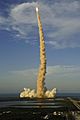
24	13
61	21
26	73
51	70
2	20
63	70
70	7
63	77
4	23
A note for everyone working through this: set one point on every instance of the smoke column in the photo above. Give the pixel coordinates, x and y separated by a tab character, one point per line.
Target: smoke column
41	92
42	67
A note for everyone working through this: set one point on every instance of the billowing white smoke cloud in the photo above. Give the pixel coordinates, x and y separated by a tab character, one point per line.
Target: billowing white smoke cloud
50	93
27	92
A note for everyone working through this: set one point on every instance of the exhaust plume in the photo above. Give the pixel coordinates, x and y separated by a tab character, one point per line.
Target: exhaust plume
42	91
42	67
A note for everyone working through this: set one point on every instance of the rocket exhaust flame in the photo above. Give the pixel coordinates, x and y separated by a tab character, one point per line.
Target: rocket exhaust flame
36	9
42	68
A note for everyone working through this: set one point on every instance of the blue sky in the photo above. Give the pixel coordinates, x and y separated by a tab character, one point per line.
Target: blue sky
19	44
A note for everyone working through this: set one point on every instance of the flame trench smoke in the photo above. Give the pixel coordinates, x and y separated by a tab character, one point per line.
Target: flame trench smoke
42	67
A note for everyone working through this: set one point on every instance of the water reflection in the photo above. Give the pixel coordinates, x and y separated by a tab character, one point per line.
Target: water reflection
38	103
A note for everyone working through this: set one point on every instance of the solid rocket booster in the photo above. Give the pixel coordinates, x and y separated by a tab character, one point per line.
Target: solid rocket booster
42	67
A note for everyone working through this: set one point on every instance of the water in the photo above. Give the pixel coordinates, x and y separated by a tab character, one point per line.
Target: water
12	99
8	95
73	95
14	95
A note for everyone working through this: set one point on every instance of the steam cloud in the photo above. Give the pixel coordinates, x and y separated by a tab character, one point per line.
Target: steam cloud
27	92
